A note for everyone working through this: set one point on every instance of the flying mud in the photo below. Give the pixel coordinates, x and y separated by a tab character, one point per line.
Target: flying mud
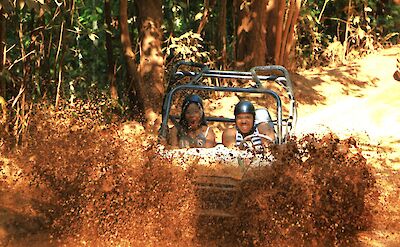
110	187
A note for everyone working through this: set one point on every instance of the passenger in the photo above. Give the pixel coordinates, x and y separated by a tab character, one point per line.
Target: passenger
245	126
192	130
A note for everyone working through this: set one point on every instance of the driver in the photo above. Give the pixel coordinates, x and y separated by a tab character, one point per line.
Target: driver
192	130
245	126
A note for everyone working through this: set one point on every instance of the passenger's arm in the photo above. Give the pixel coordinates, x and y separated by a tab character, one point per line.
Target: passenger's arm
173	137
229	138
210	139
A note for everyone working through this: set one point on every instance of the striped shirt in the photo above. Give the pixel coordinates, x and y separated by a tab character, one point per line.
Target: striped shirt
255	140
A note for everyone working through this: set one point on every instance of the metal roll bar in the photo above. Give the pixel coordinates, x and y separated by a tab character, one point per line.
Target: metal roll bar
282	79
168	100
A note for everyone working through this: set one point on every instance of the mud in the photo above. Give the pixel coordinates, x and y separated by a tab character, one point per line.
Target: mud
108	187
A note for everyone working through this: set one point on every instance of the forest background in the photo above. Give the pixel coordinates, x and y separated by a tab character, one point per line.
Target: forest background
111	58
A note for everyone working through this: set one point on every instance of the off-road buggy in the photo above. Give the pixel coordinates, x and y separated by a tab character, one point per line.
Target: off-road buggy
219	170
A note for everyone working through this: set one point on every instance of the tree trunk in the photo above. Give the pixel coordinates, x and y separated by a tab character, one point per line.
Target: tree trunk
242	31
281	27
23	68
45	54
206	13
280	8
258	45
204	18
110	56
286	29
151	67
346	34
271	30
234	25
31	63
131	67
3	82
2	53
288	53
222	33
59	61
64	41
251	34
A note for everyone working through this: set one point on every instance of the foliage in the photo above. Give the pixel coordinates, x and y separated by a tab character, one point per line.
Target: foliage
181	16
327	29
187	47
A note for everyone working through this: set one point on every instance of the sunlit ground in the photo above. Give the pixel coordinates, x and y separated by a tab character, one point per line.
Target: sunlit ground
370	108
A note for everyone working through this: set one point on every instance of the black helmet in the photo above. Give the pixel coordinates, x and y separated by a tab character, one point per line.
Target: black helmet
193	98
244	107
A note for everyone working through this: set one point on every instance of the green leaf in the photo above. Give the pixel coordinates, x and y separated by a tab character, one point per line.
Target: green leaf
99	10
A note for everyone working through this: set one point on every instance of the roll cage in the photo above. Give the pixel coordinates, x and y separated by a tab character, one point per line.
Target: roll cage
272	74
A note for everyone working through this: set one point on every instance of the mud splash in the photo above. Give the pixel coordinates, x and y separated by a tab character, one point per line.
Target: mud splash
108	187
315	194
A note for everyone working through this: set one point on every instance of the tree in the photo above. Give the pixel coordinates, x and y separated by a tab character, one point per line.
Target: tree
251	34
206	13
222	33
2	51
151	66
147	77
53	49
287	40
129	55
265	32
111	67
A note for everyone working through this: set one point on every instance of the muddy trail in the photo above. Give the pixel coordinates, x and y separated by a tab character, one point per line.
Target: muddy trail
81	184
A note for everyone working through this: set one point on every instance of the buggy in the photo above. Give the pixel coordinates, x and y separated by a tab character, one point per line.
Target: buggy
219	169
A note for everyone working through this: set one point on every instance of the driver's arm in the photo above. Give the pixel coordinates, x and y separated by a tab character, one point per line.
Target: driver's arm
265	129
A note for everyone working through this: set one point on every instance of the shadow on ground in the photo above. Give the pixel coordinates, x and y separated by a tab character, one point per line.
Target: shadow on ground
305	86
